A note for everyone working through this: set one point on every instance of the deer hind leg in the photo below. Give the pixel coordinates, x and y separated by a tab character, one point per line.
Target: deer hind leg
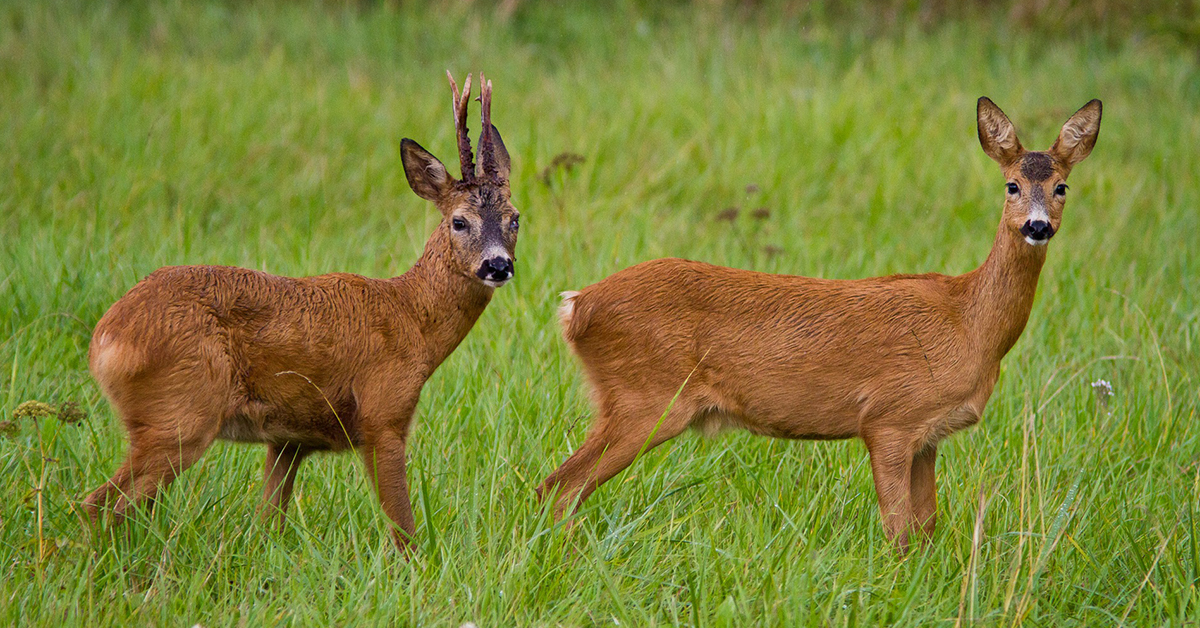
923	489
622	432
155	459
99	499
891	467
171	421
279	478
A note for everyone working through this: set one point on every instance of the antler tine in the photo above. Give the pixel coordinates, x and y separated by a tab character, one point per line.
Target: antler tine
460	103
487	152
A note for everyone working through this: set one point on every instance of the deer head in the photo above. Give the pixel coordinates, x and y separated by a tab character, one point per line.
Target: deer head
1037	181
477	214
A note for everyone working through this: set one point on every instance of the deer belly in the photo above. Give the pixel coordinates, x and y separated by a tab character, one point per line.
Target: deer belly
257	422
777	408
804	408
241	429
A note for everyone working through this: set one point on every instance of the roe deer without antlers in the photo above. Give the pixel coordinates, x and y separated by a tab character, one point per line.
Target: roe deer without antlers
195	353
900	361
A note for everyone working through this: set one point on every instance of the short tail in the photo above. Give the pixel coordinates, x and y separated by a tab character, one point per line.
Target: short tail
572	320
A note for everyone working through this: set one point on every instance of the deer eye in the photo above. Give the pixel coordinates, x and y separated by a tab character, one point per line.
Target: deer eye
515	224
459	224
1061	189
1013	188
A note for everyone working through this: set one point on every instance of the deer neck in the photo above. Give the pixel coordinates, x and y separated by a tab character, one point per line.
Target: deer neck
1000	292
444	303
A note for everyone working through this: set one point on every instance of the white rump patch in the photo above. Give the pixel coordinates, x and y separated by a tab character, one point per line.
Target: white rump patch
567	309
112	358
106	351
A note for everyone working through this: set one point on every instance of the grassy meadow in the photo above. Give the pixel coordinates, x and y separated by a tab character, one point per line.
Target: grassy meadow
138	135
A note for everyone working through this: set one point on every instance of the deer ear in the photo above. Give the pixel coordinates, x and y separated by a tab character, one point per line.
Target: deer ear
996	133
503	164
1078	135
426	175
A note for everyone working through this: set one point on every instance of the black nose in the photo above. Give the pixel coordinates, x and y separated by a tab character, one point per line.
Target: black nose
1037	230
496	269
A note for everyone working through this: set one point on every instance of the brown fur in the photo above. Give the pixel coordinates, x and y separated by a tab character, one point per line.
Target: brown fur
195	353
900	361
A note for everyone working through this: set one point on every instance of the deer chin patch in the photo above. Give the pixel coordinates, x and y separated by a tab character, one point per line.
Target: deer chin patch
1033	242
492	283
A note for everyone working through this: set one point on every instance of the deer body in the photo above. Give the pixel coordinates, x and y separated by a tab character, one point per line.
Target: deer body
195	353
789	356
287	352
900	361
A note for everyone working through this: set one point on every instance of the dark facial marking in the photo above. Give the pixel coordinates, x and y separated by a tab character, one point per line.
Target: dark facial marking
1037	167
1038	195
489	197
491	202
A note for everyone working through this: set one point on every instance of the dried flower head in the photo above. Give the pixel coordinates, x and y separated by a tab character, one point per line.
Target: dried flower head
33	410
565	162
71	414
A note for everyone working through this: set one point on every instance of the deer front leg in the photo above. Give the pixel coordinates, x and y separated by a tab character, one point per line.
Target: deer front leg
891	466
385	411
383	456
923	489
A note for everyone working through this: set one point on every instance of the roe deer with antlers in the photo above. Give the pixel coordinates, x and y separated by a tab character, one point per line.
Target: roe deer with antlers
195	353
901	361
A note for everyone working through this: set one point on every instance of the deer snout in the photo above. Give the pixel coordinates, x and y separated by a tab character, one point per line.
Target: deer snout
496	270
1037	232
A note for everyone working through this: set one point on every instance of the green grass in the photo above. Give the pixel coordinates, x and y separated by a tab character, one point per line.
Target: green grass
136	136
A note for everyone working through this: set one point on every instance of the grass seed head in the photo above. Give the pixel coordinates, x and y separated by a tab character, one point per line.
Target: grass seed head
69	412
33	410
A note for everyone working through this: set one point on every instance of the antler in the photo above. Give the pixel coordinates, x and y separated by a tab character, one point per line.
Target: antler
487	151
460	125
